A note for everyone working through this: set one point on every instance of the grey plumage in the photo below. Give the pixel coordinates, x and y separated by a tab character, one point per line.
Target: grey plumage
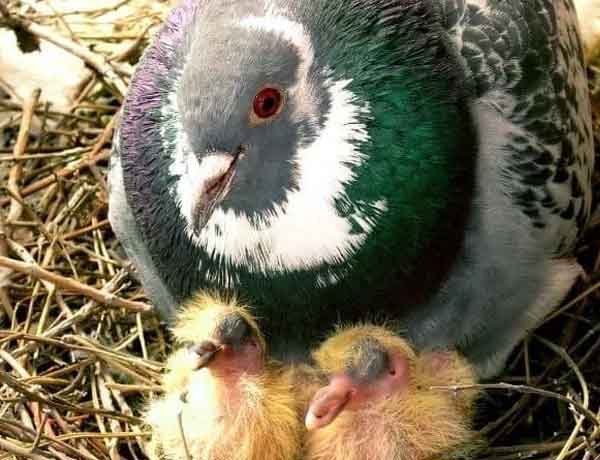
534	175
523	86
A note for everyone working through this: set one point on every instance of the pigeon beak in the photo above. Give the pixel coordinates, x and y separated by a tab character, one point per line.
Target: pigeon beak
328	402
218	170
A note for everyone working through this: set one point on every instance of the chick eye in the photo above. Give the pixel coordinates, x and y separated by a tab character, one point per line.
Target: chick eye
267	103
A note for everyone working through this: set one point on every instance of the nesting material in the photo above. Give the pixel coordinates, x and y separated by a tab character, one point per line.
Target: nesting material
23	72
79	353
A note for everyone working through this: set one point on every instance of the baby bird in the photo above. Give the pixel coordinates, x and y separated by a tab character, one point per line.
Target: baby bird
378	404
224	399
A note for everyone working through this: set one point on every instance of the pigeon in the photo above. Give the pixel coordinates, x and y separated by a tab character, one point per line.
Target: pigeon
422	162
223	397
381	401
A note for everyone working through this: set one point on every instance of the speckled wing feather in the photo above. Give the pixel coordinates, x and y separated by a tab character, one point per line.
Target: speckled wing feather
520	57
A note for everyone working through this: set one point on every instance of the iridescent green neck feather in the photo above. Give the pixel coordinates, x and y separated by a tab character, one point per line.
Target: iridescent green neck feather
421	145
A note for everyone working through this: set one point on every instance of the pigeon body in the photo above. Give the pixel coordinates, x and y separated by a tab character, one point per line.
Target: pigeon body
423	161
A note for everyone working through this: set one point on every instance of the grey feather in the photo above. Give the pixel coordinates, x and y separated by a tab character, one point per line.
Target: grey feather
125	227
523	64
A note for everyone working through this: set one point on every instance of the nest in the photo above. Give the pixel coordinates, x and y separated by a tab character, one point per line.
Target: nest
80	348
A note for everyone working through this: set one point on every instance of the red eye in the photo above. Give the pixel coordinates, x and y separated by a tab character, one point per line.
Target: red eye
267	103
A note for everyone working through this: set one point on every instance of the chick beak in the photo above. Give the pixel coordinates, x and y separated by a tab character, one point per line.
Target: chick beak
205	353
328	402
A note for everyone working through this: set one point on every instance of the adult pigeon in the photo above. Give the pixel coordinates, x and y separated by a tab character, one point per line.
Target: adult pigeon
422	161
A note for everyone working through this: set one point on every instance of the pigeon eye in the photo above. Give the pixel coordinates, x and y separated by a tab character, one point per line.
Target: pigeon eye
267	103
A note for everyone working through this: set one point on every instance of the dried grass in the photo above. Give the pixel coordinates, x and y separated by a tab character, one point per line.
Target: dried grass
78	348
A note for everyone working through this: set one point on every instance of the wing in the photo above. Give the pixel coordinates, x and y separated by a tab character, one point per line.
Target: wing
126	229
526	61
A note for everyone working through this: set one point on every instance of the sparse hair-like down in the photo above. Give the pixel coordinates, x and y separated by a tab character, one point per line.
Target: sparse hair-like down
198	317
417	424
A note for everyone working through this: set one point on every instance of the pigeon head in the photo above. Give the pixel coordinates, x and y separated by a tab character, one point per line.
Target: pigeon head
250	100
267	137
363	364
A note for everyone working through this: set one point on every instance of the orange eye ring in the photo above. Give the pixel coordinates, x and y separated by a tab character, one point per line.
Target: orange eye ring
267	103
